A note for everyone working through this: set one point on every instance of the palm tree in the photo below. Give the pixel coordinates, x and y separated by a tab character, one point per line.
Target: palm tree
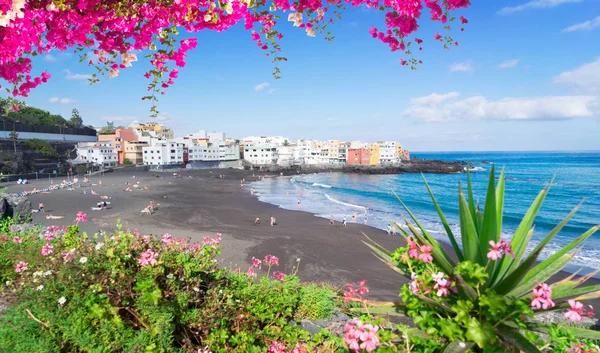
286	143
14	136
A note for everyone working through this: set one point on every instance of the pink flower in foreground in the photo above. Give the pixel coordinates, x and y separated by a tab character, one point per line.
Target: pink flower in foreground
413	251
542	297
506	248
250	272
21	267
369	337
276	347
278	275
358	336
17	239
271	260
425	254
167	239
356	294
148	258
256	263
494	253
68	255
47	249
414	284
212	241
81	217
575	312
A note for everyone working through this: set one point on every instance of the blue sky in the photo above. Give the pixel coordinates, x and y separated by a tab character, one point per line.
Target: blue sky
526	76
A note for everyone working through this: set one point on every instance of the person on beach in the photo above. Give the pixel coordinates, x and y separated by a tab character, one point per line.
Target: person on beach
251	191
50	216
331	220
344	221
272	221
354	218
393	230
299	202
389	229
257	220
41	207
104	205
366	219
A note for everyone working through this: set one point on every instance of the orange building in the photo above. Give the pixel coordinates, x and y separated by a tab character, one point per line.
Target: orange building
358	156
121	135
406	154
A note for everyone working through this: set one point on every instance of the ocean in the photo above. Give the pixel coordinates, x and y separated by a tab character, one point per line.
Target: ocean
577	179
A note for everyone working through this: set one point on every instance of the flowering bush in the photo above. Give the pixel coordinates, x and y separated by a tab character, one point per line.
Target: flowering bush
127	292
110	35
488	299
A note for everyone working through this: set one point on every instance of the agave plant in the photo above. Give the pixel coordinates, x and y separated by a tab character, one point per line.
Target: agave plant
492	303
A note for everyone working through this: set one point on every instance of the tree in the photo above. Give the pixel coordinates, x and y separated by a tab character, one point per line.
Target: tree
76	120
127	161
122	28
286	143
106	130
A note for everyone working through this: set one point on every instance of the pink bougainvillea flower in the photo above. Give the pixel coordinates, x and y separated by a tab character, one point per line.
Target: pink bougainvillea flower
148	258
438	36
425	254
463	20
47	249
575	312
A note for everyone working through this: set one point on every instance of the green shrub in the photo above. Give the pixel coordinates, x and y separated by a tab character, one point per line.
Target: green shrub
127	161
125	292
41	146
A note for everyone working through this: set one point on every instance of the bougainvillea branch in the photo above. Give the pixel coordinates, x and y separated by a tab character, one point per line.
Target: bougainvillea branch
115	31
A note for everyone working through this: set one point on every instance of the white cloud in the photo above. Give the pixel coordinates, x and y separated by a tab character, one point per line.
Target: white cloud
585	77
261	86
49	58
57	100
508	64
72	76
272	90
584	26
479	107
535	4
464	66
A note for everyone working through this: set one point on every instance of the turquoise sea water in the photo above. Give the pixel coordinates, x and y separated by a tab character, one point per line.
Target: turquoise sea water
577	179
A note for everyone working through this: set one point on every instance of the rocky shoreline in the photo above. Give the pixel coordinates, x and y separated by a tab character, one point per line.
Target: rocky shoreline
410	166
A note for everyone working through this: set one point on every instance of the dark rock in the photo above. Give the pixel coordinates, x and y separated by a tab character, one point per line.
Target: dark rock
310	327
17	206
3	206
339	317
25	228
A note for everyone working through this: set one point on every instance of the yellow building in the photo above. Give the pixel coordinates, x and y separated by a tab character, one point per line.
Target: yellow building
399	149
374	154
155	130
134	152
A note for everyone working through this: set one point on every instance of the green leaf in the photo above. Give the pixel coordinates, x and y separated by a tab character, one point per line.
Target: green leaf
464	289
532	257
433	302
519	240
547	271
489	227
471	198
458	347
470	240
480	333
451	237
386	259
515	277
583	333
560	294
500	202
511	335
426	234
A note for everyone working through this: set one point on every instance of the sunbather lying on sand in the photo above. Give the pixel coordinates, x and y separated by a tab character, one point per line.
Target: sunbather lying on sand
49	216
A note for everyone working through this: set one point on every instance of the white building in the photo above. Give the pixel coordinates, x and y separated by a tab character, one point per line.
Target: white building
285	156
96	153
387	152
261	155
163	153
273	141
213	152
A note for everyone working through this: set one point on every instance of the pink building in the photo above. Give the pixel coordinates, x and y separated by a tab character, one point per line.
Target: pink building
358	156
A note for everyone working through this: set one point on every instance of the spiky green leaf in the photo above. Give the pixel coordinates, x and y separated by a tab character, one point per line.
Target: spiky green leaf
469	237
513	337
445	223
500	202
547	271
458	347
